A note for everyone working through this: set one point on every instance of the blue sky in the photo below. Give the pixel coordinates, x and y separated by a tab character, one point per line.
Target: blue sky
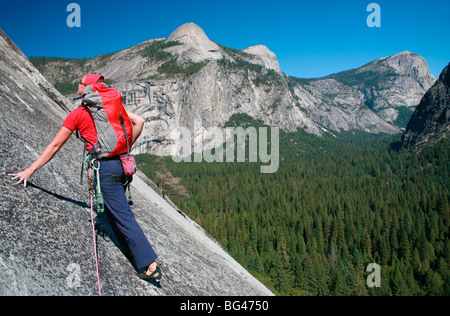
310	38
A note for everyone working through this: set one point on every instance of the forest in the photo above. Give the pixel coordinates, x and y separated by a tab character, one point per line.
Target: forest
337	204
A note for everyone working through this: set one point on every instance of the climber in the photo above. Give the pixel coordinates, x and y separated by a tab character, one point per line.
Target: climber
127	230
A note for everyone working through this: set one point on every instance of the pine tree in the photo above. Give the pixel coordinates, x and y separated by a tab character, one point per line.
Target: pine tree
405	250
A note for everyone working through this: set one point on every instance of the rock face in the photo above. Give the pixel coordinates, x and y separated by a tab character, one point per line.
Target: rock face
45	230
391	85
187	77
430	121
196	46
267	59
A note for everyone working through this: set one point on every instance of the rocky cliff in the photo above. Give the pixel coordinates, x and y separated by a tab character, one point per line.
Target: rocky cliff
45	230
430	121
186	77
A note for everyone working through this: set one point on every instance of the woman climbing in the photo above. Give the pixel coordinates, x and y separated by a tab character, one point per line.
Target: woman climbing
129	233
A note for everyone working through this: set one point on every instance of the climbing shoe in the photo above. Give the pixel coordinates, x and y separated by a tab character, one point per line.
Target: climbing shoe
149	275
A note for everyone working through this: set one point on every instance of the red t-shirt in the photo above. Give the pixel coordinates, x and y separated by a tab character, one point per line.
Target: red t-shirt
80	119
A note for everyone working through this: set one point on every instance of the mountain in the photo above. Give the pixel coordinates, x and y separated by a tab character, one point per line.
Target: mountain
392	86
186	77
196	46
430	121
45	229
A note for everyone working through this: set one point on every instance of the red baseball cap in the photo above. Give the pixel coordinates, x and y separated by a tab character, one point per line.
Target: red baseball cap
93	79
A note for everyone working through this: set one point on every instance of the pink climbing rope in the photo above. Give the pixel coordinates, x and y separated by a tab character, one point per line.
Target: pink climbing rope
93	235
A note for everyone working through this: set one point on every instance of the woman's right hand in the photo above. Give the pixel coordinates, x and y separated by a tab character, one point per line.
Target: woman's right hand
22	176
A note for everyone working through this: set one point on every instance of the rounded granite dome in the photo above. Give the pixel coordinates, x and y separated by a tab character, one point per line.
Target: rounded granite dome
196	45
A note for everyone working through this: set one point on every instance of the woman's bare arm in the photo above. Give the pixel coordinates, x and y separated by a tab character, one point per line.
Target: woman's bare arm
47	155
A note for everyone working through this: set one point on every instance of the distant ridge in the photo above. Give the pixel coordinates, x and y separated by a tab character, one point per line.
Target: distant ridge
185	77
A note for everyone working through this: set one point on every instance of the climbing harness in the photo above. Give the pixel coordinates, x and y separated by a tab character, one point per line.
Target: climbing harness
93	167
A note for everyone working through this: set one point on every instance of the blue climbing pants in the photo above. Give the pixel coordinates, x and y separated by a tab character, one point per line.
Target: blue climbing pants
128	232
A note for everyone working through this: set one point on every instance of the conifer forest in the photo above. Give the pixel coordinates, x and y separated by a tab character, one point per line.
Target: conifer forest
335	206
